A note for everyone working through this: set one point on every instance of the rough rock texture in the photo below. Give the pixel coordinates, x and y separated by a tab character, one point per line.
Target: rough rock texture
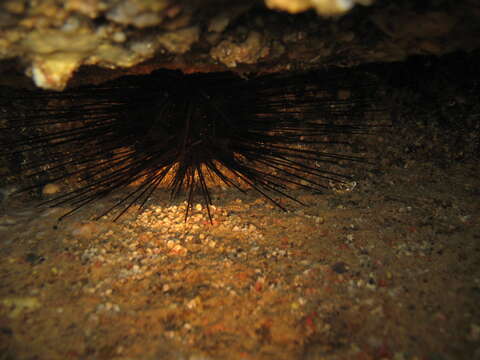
323	7
49	40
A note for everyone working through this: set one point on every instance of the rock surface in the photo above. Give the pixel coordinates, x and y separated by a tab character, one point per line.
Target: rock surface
49	40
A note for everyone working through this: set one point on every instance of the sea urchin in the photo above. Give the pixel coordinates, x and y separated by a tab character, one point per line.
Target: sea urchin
184	131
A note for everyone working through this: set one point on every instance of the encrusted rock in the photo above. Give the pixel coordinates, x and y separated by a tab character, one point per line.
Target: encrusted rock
322	7
248	52
50	40
179	41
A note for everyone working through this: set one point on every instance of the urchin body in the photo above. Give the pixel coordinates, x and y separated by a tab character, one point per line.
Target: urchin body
184	132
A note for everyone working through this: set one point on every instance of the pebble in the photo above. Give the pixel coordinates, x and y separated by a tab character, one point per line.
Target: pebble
19	305
340	267
84	230
474	334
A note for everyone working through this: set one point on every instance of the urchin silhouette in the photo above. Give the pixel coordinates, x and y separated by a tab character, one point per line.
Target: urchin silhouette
183	132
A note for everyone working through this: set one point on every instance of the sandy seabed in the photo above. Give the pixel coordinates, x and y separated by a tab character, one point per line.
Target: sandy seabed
389	270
